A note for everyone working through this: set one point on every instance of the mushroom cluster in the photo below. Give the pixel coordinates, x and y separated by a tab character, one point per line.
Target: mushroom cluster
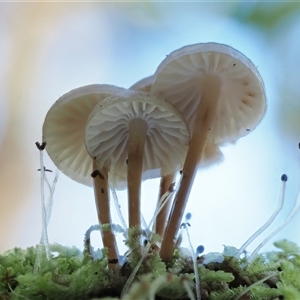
201	97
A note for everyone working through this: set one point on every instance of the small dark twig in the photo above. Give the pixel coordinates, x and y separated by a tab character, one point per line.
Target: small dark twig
97	173
45	169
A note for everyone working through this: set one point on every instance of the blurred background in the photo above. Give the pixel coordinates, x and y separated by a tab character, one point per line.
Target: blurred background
47	49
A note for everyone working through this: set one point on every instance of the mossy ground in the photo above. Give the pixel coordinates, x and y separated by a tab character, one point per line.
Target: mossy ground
73	274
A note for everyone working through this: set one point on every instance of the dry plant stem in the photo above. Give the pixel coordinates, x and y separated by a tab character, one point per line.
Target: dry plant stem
101	191
161	219
206	111
136	144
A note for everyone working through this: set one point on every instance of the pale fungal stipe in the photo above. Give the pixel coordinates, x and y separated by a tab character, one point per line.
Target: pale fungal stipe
166	180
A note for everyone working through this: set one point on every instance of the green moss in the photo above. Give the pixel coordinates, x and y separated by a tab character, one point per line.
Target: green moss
69	274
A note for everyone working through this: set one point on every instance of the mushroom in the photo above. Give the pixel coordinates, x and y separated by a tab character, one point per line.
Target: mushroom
143	85
221	95
136	132
166	180
63	130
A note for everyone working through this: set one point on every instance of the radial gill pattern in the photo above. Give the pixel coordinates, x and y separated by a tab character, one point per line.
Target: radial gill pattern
242	101
107	134
64	129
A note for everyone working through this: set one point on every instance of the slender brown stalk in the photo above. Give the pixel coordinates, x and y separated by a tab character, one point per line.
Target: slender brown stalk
101	191
161	219
204	121
136	144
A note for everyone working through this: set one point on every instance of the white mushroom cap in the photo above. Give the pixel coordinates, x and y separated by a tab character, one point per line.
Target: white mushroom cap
107	134
64	129
143	84
242	99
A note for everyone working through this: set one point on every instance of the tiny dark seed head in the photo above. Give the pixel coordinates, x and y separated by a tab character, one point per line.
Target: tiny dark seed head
200	249
102	190
279	269
284	177
188	216
42	146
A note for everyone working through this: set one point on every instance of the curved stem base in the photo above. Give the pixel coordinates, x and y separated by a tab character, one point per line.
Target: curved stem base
206	112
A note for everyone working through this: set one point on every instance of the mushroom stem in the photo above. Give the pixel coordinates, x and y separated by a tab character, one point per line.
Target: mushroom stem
161	218
101	191
136	144
203	123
